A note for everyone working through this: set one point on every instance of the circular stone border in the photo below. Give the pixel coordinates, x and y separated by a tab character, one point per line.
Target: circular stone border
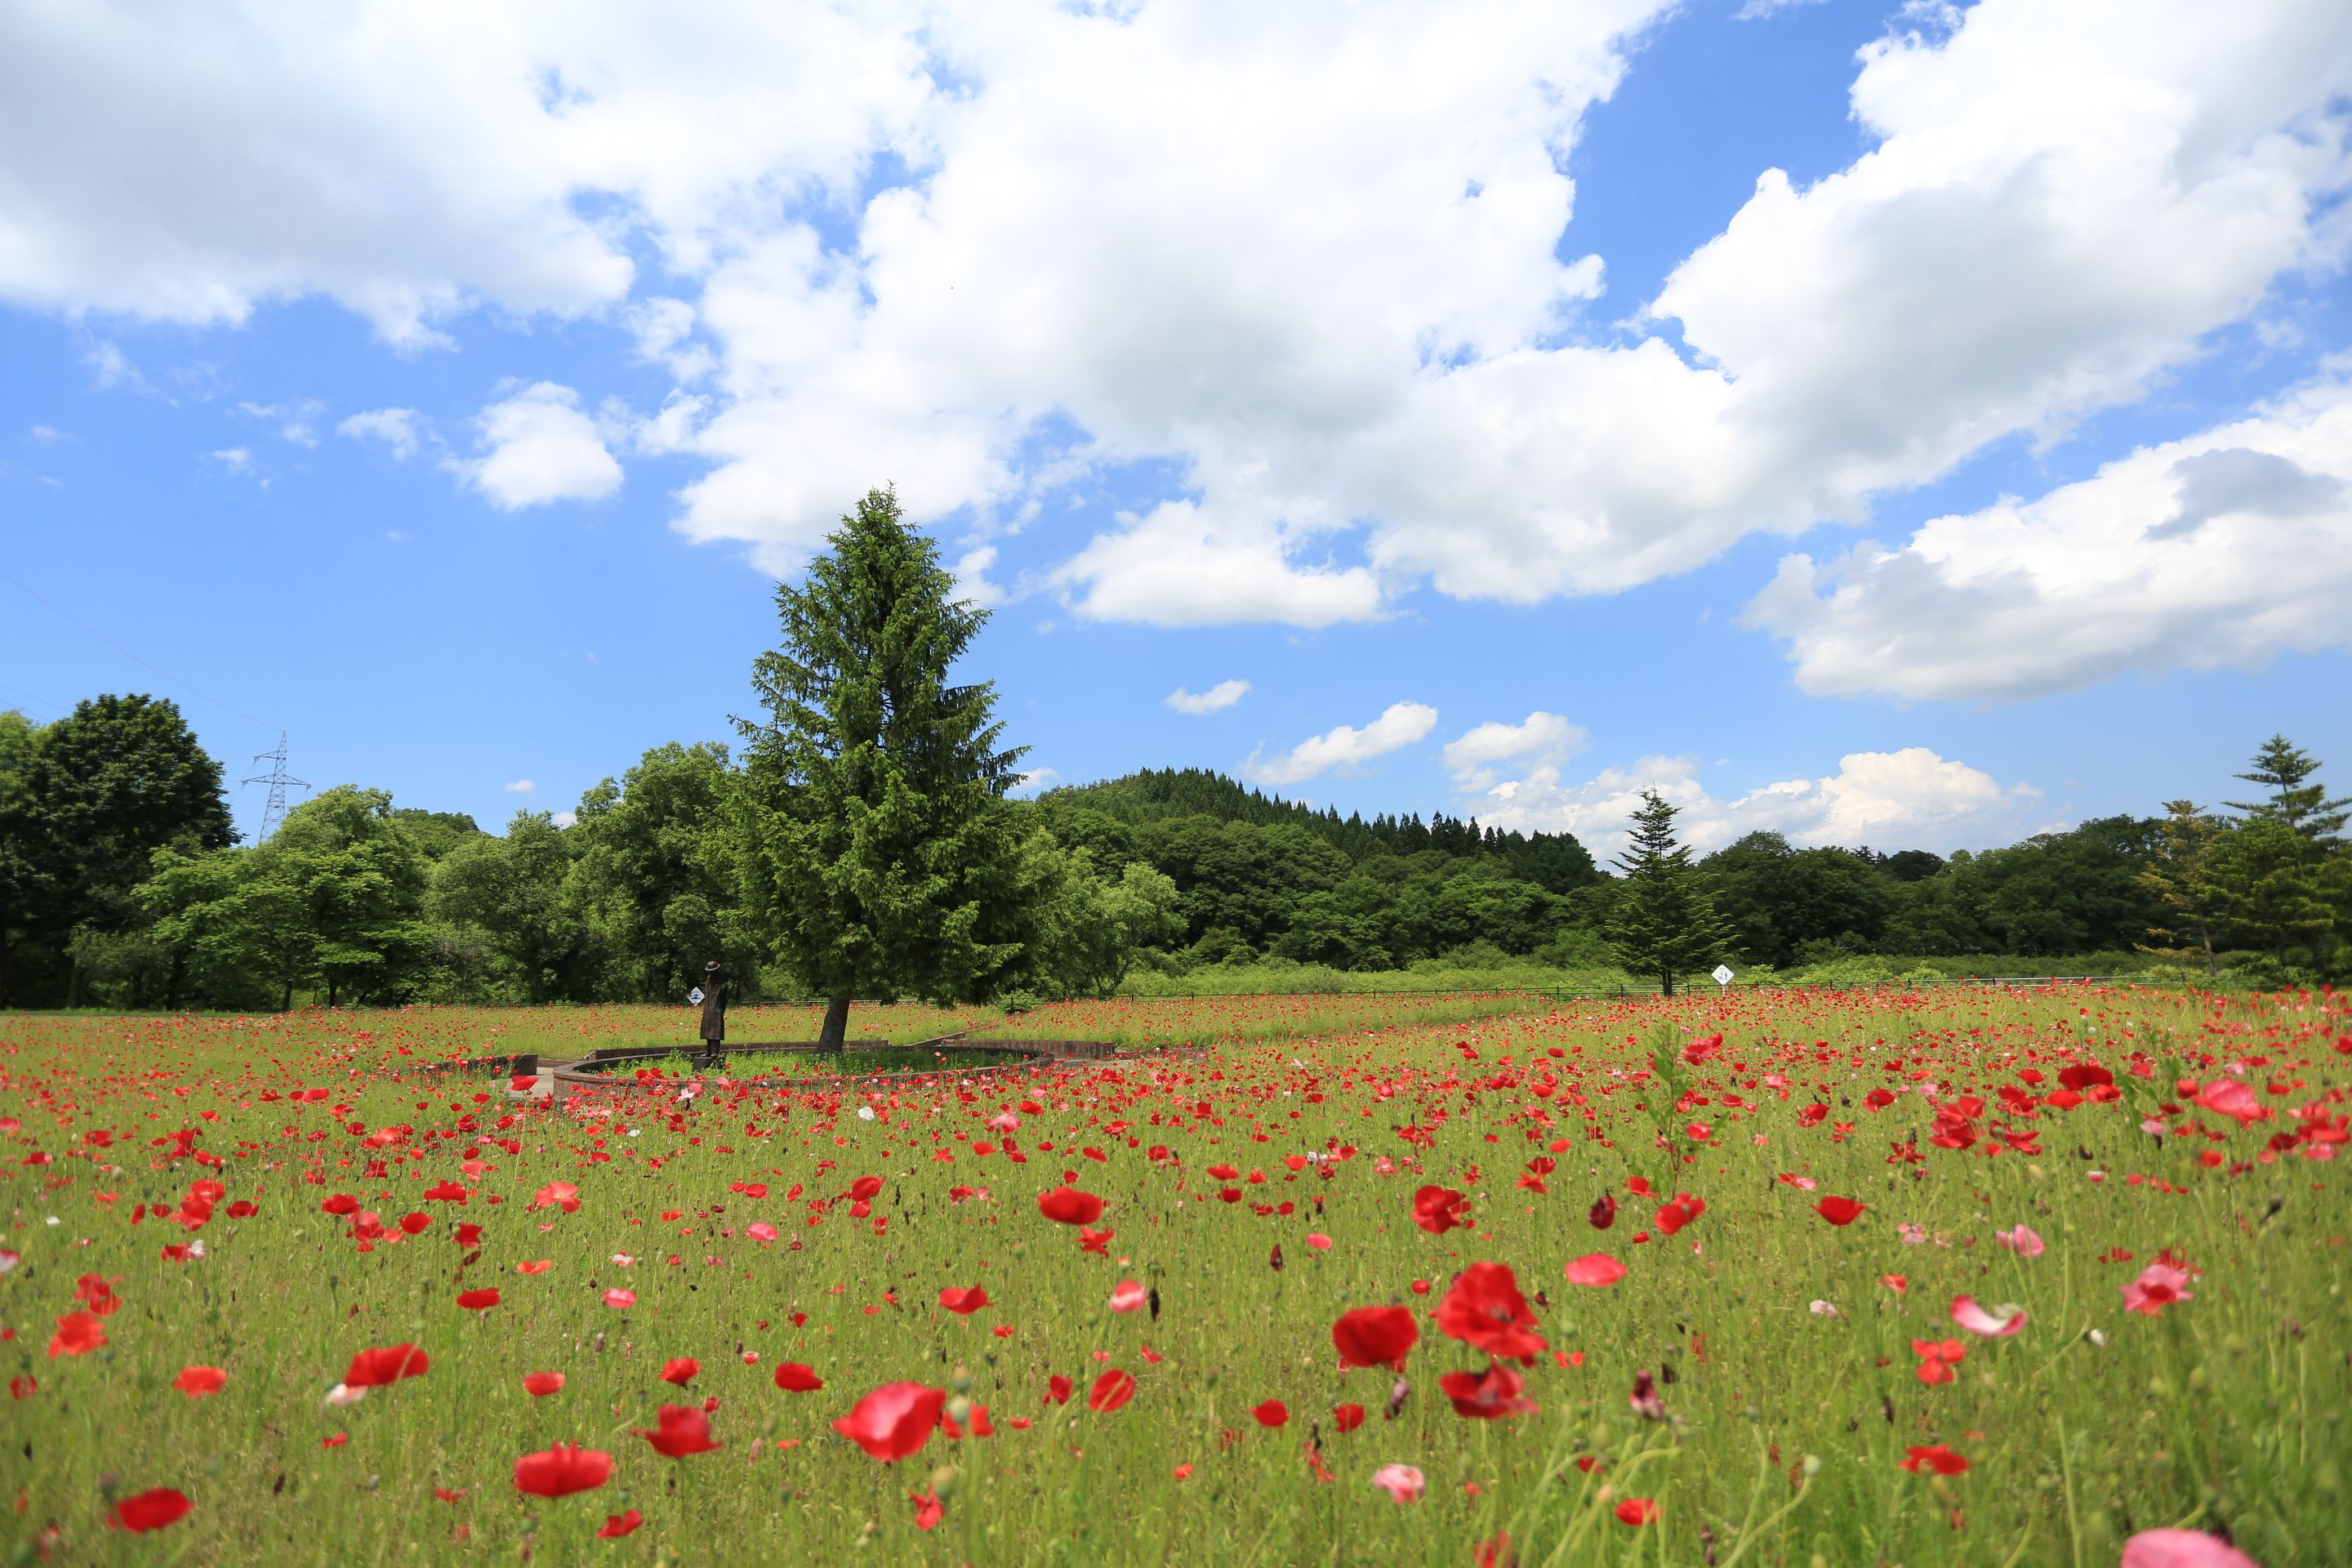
601	1069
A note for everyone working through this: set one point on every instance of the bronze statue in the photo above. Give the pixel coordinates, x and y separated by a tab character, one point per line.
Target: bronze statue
714	1010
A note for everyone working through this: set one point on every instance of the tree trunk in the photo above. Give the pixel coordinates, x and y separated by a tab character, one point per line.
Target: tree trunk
836	1025
1667	982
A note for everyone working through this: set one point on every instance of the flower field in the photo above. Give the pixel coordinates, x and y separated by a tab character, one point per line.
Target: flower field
1985	1277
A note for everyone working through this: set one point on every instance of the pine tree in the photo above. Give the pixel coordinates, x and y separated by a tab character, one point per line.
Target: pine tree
2181	877
882	860
2282	767
1664	925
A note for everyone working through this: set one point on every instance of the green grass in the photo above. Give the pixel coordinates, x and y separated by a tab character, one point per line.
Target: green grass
1785	1425
812	1064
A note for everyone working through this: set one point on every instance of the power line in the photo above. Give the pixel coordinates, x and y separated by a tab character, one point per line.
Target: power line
32	593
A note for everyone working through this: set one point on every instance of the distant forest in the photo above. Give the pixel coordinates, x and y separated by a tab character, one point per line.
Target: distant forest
121	885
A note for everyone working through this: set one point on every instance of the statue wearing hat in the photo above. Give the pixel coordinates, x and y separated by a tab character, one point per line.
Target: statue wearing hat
714	1009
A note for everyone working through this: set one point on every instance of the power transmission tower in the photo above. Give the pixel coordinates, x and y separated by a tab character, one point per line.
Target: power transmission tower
275	811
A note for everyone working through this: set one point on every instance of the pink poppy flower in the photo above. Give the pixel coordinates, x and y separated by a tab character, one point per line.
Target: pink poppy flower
1127	1296
1401	1482
1977	1320
2020	1239
2182	1548
2157	1287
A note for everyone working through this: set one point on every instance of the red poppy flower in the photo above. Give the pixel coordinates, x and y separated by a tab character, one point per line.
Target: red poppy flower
415	1223
616	1525
478	1300
1597	1270
894	1421
1484	1396
1840	1211
196	1382
379	1368
1937	1358
680	1369
539	1384
684	1430
963	1302
150	1511
1936	1457
562	1470
1068	1205
1636	1510
1346	1417
1484	1309
1438	1209
1603	1212
1112	1390
794	1378
620	1299
79	1334
1272	1412
340	1204
556	1194
928	1509
864	1188
1375	1336
536	1265
1685	1208
1057	1389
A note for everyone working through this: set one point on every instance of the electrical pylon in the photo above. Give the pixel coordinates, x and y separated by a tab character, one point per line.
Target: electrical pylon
275	811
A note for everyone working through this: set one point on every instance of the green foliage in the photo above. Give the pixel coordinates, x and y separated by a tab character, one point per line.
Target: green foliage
2296	800
658	873
1665	923
515	893
335	901
85	804
881	860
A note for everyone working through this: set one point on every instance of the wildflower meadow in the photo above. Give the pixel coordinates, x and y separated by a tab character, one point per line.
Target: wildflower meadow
2001	1275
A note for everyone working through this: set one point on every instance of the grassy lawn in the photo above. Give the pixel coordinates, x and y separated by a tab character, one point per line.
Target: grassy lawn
273	1198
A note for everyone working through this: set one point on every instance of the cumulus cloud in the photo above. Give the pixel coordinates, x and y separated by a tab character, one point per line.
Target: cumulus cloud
1913	798
236	460
1036	779
2219	549
1072	264
538	446
1399	725
565	818
1224	694
294	420
395	428
520	786
1544	738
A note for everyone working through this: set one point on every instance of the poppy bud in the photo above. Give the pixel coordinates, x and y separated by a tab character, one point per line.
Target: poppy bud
960	1410
961	1383
943	1482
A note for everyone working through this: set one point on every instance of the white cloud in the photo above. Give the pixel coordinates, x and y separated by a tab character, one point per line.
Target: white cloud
1544	738
1036	778
565	818
520	786
971	581
1224	694
293	420
1757	10
110	368
2219	549
1399	725
395	428
47	436
1346	314
236	460
540	448
1909	799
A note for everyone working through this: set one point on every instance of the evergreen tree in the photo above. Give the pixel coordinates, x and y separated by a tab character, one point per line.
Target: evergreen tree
2181	877
2270	890
2283	768
881	858
1664	925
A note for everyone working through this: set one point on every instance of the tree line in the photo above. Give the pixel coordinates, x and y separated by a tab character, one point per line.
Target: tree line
858	840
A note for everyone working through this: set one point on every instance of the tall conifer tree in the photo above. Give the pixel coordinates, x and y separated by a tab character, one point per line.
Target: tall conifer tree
1665	923
883	861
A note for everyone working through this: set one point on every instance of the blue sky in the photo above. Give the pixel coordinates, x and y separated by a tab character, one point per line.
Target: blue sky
1470	398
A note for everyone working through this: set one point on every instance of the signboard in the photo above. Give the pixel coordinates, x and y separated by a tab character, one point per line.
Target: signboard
695	996
1723	975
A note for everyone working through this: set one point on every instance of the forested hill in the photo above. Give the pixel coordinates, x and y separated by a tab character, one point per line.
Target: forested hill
1555	860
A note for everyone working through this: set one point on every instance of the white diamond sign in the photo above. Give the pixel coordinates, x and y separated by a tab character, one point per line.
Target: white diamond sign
695	996
1723	975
